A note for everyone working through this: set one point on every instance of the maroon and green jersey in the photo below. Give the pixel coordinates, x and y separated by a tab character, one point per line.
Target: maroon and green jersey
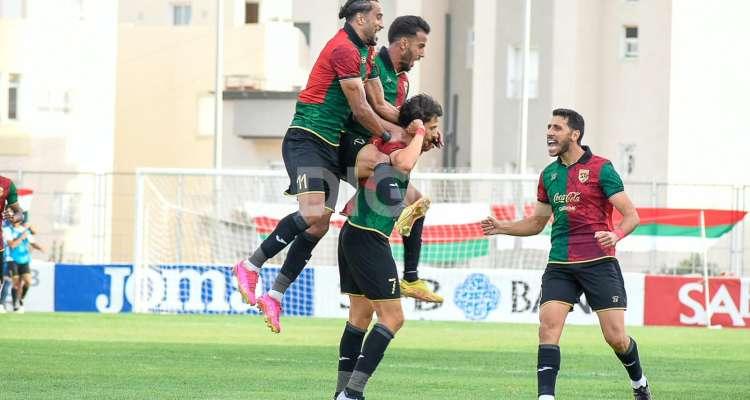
395	88
579	195
8	196
322	108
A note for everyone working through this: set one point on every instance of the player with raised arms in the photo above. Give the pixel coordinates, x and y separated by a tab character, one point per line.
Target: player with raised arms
580	190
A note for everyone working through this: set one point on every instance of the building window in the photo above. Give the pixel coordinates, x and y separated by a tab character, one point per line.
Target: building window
181	14
304	27
14	86
630	42
514	84
251	12
65	209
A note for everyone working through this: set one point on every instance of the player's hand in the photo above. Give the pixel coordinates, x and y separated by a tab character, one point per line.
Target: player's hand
606	239
438	140
490	226
8	214
414	126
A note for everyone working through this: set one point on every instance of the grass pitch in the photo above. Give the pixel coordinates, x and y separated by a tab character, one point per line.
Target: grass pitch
97	356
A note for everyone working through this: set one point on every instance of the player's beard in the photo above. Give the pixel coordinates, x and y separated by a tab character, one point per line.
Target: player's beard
405	64
372	40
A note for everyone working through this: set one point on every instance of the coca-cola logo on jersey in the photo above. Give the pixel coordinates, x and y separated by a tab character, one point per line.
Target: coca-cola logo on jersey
566	198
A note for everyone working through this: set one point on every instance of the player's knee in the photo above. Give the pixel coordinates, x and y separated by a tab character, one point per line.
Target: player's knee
320	227
361	321
549	333
618	341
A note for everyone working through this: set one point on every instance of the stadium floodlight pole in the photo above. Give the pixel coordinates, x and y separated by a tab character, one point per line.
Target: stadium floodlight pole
219	84
525	90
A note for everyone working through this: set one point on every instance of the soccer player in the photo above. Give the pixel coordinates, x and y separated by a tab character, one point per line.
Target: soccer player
407	38
334	90
10	210
367	270
20	242
579	189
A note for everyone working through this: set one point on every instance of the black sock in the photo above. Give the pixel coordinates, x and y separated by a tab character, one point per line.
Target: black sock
412	250
14	295
296	259
548	363
25	289
631	362
372	353
349	348
286	230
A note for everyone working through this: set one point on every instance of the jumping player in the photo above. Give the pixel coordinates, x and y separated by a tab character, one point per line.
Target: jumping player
579	189
11	211
310	150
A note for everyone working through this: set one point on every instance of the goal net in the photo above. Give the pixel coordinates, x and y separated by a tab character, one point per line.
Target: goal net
193	225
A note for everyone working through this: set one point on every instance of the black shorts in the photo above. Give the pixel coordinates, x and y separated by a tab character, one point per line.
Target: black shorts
366	265
17	269
349	147
601	282
312	165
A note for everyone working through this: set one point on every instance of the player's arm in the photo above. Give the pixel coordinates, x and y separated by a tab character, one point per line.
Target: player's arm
405	159
355	95
376	98
630	221
13	211
528	226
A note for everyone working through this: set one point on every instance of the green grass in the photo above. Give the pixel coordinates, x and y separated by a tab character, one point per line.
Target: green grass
97	356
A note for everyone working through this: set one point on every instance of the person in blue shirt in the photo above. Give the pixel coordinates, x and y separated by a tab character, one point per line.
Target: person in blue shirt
20	240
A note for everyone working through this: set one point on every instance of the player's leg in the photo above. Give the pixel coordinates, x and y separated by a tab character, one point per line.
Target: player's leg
374	271
293	148
4	289
16	290
559	292
350	346
319	206
605	291
360	317
411	285
25	272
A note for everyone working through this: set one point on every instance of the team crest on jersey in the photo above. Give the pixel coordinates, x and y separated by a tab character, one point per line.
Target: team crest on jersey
583	175
364	60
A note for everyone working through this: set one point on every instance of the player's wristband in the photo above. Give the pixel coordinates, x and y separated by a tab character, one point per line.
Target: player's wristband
386	136
620	233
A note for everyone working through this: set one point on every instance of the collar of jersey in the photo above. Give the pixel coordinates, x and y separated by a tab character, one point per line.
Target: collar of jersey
583	160
386	57
349	29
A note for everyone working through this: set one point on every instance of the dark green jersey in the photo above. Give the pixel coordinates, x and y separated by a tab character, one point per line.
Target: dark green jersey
579	195
371	212
322	108
395	88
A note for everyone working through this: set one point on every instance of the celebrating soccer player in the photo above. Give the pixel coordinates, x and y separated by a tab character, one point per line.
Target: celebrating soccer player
579	189
407	38
334	90
367	270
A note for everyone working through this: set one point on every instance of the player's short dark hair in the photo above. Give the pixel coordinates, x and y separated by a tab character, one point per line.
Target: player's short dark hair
422	107
575	120
353	7
407	25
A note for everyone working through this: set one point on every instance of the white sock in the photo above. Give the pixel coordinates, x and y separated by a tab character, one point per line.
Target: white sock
250	266
546	397
276	295
639	383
